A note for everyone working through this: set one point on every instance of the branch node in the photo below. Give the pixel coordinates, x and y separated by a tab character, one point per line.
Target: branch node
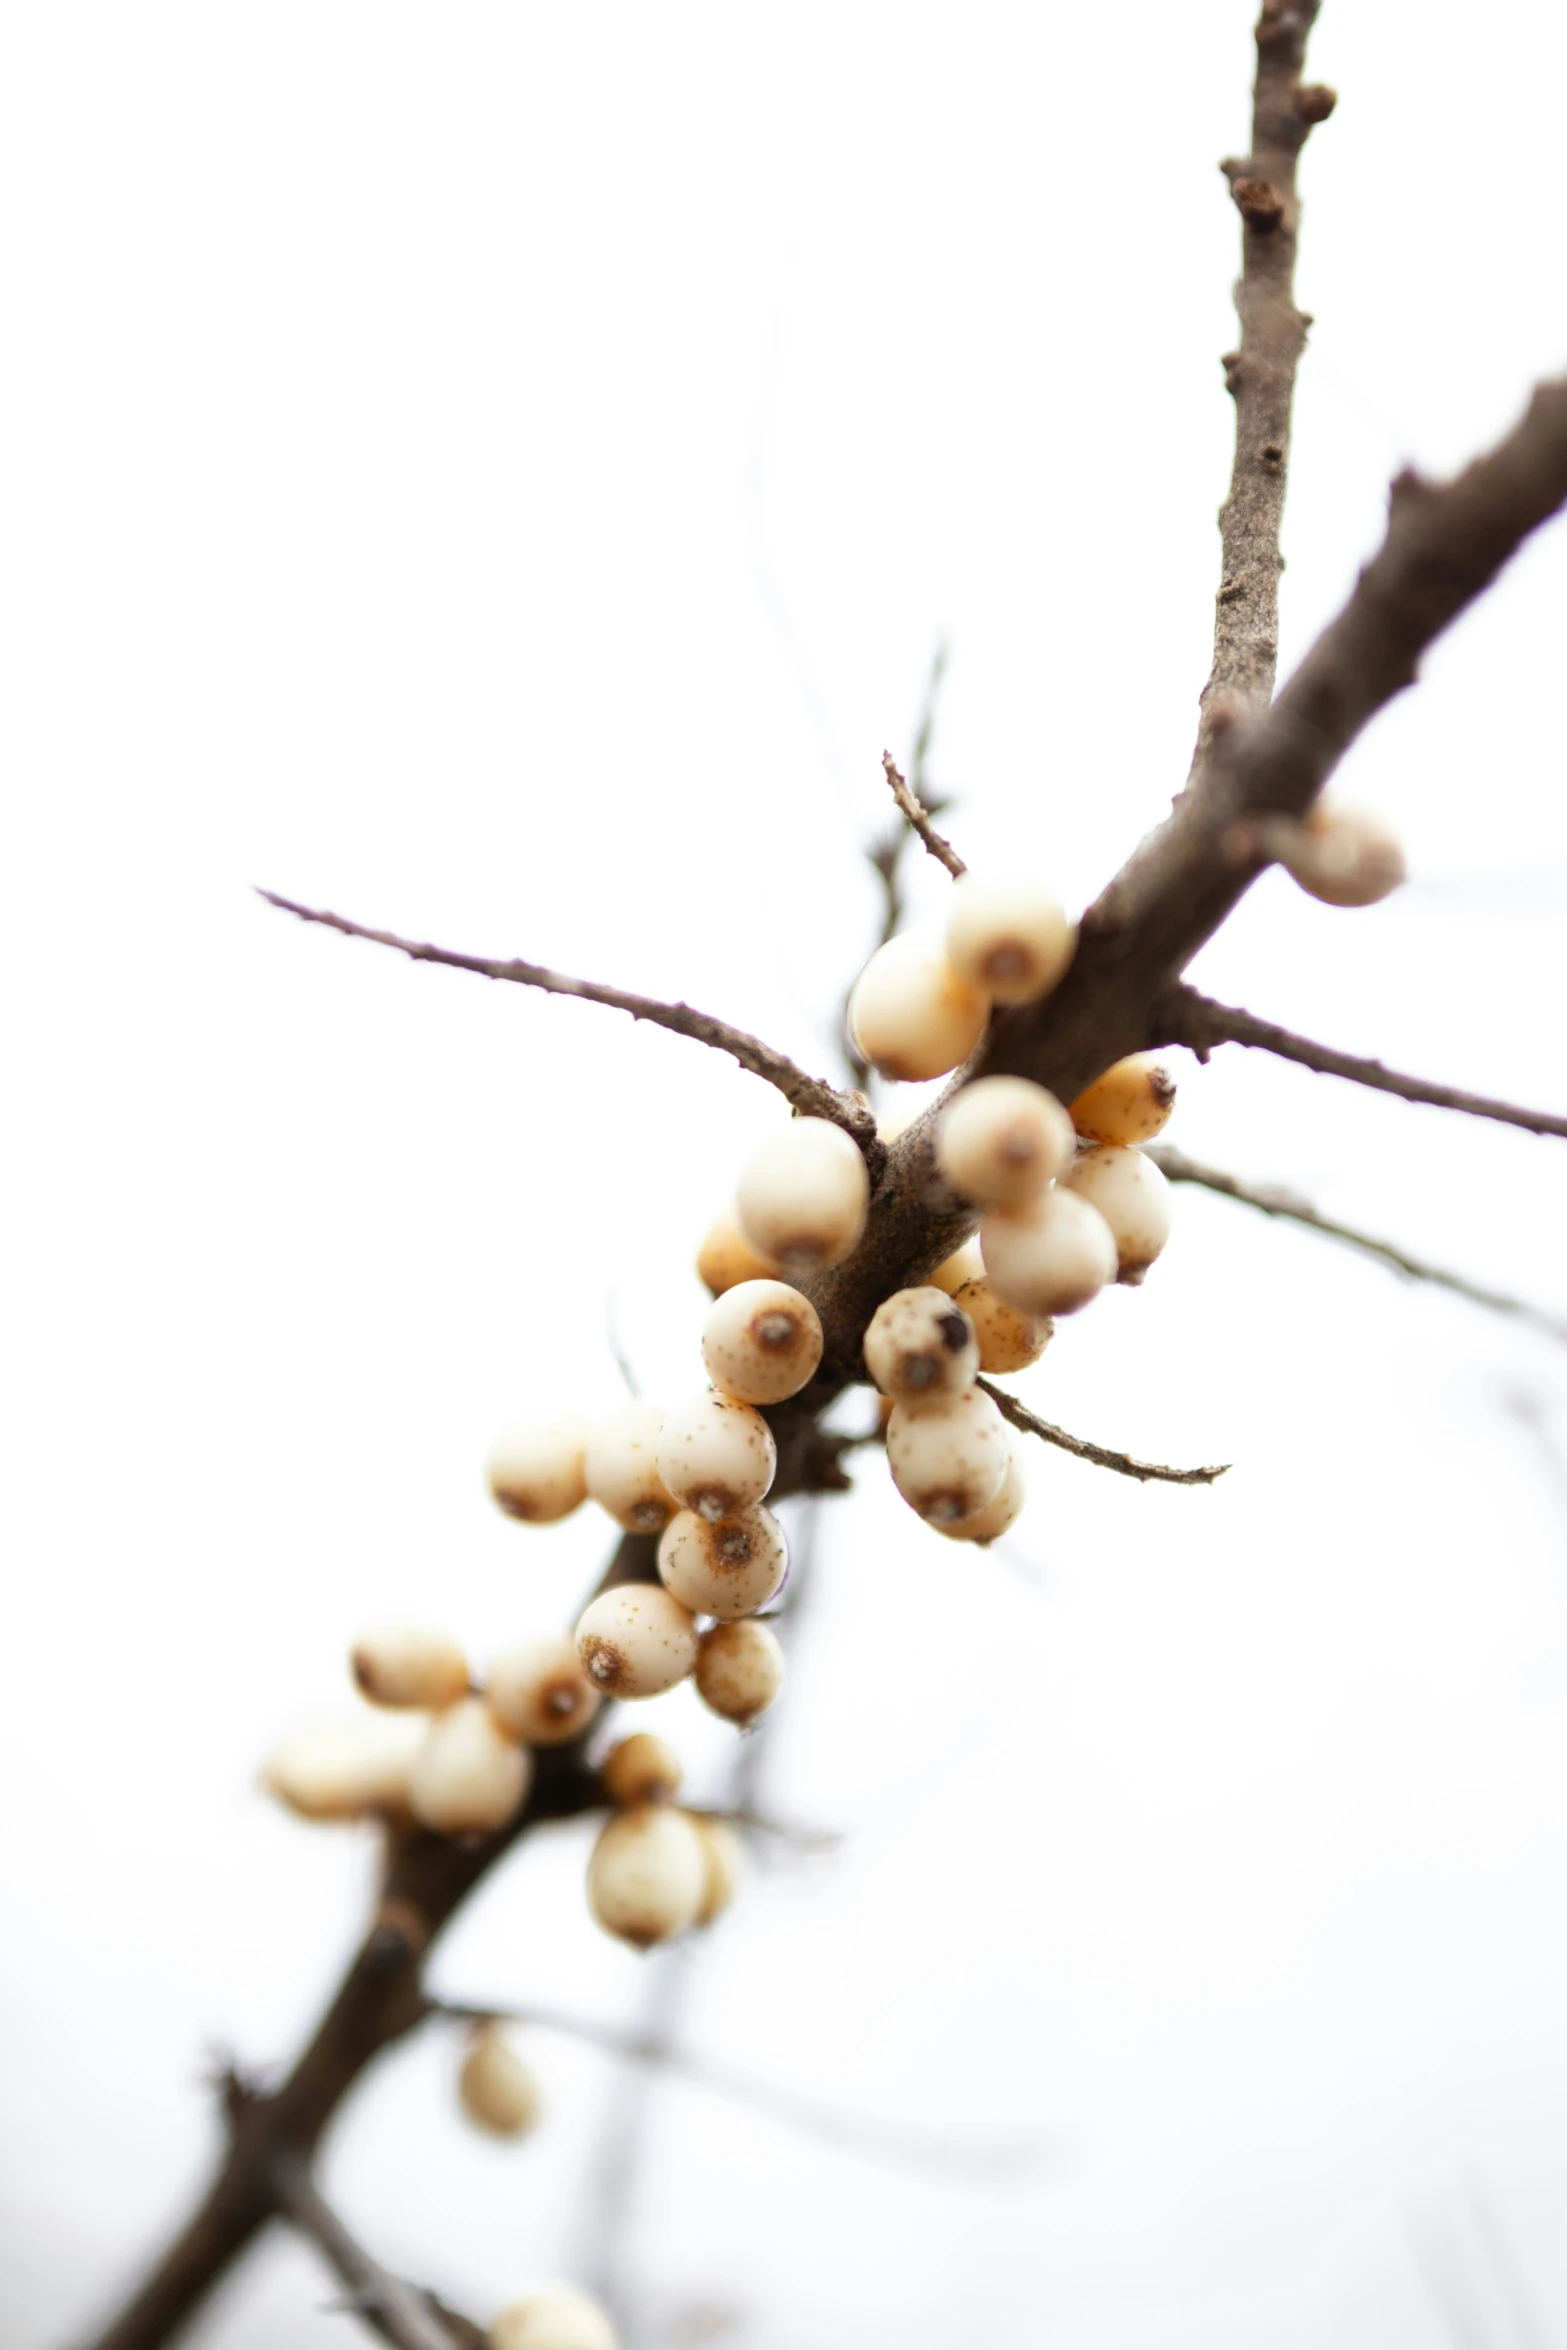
1259	203
1314	102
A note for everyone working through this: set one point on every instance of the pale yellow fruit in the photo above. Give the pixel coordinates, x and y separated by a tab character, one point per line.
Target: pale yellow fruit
725	1858
346	1770
1007	1340
716	1454
1002	1139
739	1670
496	2089
1342	856
405	1664
554	2317
920	1345
535	1469
727	1568
997	1515
762	1342
647	1878
620	1469
1131	1102
636	1641
1049	1257
965	1264
726	1256
948	1459
911	1015
1134	1198
468	1776
641	1769
803	1195
539	1693
1010	938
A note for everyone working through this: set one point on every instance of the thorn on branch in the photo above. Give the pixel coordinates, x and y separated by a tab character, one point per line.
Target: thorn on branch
918	820
1124	1463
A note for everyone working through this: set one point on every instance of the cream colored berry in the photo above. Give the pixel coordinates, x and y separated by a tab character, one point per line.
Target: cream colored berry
535	1469
496	2088
636	1640
647	1878
554	2317
1133	1196
911	1015
641	1769
726	1256
716	1454
468	1776
1010	938
539	1693
739	1670
948	1459
762	1342
346	1770
725	1568
920	1345
1007	1340
620	1469
404	1664
1131	1102
725	1859
1049	1257
1002	1139
997	1515
1342	856
802	1196
965	1264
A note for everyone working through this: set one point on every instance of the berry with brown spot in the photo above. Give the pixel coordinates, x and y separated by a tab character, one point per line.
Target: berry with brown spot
636	1640
762	1342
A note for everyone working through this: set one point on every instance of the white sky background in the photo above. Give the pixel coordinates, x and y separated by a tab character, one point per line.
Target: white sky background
502	472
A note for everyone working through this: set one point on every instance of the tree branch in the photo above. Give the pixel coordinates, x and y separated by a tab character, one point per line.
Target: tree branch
1146	1472
918	820
1199	1023
1271	1199
398	2312
812	1097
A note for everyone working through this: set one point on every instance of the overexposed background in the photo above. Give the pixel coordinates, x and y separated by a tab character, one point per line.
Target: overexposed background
502	472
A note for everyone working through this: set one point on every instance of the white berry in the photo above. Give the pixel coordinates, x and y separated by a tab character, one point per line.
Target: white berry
726	1568
539	1693
802	1196
468	1777
555	2317
1342	856
997	1515
948	1459
648	1874
641	1769
1133	1196
739	1671
1049	1257
404	1664
725	1859
346	1770
635	1640
762	1342
1007	1340
911	1015
1002	1139
495	2087
716	1454
620	1469
1010	938
535	1469
726	1256
1131	1102
920	1345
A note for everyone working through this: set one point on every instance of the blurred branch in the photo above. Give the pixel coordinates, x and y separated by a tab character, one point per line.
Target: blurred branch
886	854
400	2313
810	1096
918	820
1125	1463
1194	1020
1271	1199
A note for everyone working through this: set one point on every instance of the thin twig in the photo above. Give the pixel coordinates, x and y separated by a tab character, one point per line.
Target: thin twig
888	2141
1124	1463
918	819
812	1097
886	854
1273	1199
398	2312
1199	1023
